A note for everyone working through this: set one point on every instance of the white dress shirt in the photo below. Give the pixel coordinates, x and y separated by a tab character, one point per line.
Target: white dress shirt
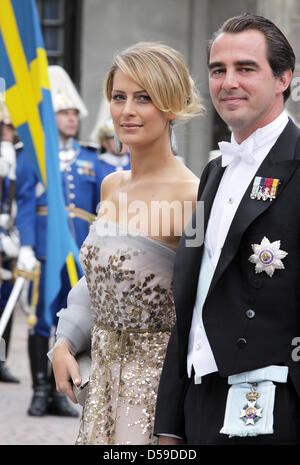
234	183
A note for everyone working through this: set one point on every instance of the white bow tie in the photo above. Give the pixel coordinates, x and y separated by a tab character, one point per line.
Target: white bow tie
231	152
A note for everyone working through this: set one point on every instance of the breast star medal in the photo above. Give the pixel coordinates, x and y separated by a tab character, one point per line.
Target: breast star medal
251	412
267	256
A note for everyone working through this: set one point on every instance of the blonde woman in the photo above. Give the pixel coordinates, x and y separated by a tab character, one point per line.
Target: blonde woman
125	298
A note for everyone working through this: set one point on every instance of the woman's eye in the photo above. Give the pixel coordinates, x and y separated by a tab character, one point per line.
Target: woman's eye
117	97
144	98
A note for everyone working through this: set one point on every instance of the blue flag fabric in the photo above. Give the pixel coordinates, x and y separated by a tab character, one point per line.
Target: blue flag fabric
23	66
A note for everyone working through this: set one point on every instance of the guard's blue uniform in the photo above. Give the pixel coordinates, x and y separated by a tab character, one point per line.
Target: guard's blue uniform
81	189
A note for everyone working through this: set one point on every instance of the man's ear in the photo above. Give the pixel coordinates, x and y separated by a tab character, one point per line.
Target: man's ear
284	80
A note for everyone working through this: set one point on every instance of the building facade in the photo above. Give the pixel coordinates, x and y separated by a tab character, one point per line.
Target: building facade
84	35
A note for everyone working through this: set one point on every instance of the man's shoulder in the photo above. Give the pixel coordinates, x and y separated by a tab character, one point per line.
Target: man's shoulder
87	152
287	146
212	163
24	162
292	128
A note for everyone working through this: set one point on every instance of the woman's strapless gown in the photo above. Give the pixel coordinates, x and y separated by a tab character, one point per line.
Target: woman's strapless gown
129	278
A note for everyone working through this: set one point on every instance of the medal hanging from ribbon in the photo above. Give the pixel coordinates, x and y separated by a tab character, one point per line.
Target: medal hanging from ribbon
264	188
251	412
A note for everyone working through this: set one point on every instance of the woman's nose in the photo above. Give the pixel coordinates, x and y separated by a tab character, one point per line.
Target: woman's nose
129	107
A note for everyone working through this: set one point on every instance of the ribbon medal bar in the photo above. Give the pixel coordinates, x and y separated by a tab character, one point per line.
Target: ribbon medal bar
264	188
85	167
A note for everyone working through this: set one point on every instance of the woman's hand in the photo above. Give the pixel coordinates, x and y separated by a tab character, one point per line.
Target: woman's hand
66	371
170	441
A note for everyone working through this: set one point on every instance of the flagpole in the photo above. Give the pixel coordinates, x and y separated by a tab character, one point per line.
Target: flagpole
11	303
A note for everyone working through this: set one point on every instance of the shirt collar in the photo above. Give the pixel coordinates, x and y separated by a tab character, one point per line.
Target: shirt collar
66	145
264	136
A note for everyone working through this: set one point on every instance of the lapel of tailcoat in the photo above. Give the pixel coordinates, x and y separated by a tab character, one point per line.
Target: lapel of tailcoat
188	259
280	163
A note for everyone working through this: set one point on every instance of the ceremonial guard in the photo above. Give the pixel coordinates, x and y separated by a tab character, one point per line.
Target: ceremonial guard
9	243
80	175
113	157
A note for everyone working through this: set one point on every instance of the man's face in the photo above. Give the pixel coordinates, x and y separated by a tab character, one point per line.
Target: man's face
242	87
7	133
67	123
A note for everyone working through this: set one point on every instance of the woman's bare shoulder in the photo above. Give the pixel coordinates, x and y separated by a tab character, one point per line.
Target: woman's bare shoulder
113	181
185	184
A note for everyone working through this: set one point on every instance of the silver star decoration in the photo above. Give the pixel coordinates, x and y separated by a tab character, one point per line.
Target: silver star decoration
267	256
255	412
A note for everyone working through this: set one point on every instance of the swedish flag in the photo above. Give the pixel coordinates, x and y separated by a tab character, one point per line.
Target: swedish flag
23	65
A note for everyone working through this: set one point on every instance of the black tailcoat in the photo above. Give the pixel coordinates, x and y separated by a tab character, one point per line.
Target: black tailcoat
240	340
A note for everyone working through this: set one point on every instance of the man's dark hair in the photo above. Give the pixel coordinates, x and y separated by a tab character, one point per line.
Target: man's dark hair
280	54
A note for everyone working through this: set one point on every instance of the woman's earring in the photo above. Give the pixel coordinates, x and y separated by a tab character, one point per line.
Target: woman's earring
173	141
118	144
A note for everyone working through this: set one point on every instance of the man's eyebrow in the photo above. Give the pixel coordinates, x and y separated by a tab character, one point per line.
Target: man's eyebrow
247	63
215	64
220	64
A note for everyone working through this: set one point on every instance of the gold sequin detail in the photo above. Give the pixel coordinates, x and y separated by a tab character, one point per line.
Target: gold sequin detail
134	315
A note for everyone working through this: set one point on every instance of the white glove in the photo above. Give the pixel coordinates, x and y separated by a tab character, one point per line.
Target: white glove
5	274
8	246
4	220
26	259
7	160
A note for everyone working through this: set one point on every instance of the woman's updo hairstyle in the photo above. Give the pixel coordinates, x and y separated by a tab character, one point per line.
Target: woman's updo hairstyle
162	73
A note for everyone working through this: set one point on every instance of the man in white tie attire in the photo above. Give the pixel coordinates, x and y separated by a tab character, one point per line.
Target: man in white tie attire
229	376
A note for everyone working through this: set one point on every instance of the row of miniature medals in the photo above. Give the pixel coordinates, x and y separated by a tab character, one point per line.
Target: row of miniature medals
264	188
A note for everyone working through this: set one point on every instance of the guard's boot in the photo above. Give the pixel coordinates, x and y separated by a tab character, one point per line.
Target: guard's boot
58	403
38	348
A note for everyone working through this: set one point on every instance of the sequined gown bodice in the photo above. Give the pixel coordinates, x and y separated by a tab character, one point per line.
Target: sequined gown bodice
129	278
